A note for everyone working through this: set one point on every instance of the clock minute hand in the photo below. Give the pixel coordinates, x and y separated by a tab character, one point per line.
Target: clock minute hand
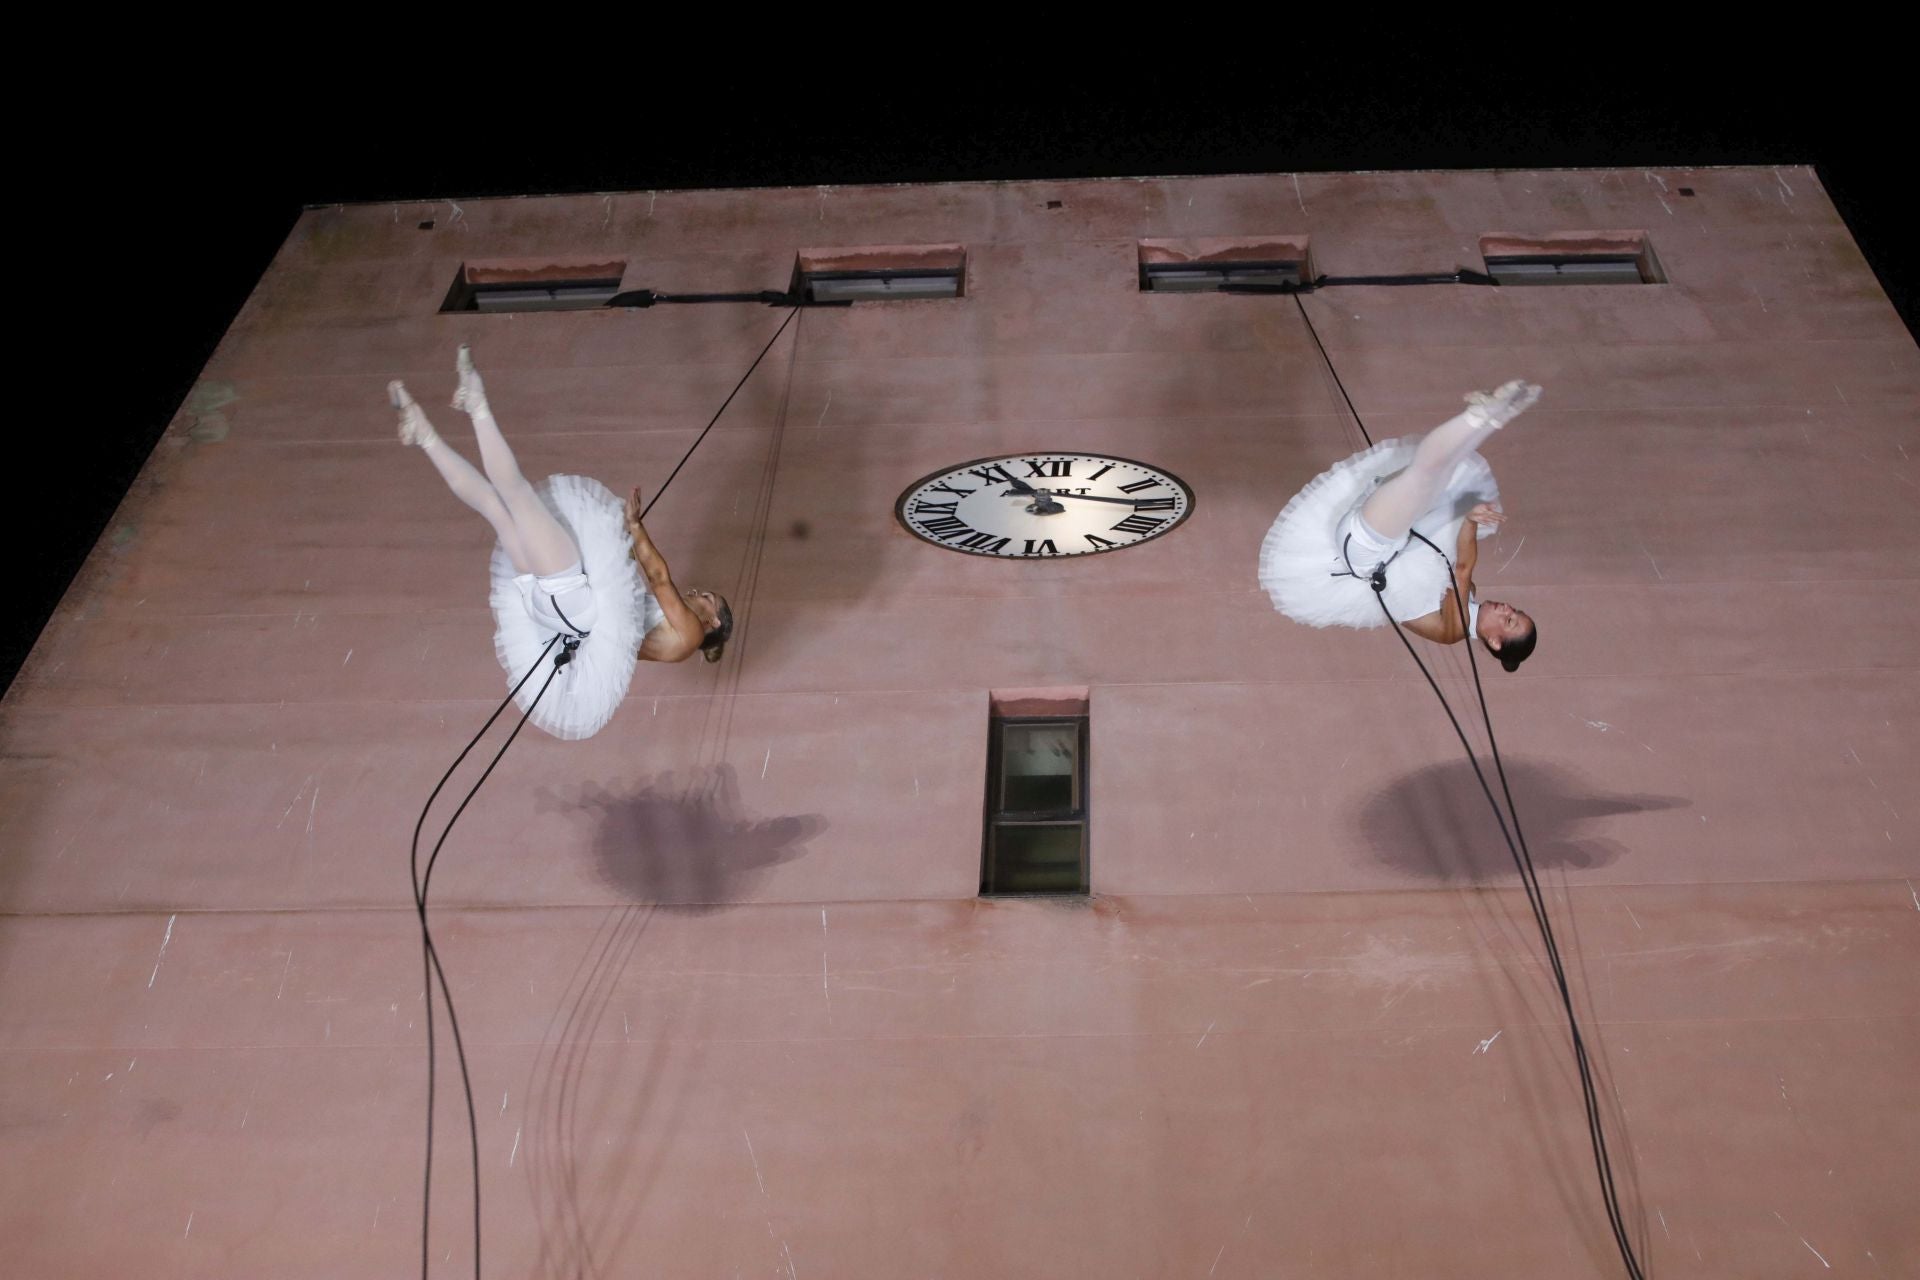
1094	497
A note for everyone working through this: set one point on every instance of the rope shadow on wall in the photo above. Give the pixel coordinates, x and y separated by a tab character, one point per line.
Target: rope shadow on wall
680	842
587	1195
1430	824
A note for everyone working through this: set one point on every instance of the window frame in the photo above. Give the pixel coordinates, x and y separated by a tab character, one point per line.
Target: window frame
1560	261
809	279
598	281
1224	274
1561	248
880	262
998	818
1225	256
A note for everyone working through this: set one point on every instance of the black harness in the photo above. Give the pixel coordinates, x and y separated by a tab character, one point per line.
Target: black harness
1378	578
568	644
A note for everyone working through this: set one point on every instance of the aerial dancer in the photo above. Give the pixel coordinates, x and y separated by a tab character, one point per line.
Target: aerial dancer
1353	526
565	567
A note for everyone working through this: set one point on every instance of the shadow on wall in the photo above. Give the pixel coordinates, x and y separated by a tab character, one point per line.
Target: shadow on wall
588	1193
1435	823
684	841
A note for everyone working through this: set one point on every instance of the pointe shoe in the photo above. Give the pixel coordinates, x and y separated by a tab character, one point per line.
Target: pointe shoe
1498	408
414	427
470	396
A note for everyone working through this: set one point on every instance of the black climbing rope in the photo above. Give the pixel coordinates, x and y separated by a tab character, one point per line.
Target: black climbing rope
1516	841
431	967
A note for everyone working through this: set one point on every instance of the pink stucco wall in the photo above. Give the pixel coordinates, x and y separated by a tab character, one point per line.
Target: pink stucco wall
731	1003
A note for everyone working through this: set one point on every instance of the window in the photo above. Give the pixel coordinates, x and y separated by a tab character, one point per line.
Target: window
878	284
1572	257
880	273
534	286
1221	265
1598	268
1196	278
1036	838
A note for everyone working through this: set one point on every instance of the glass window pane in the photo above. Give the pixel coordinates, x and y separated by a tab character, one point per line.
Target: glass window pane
1602	272
1265	275
1206	278
1037	859
943	284
1183	281
1040	767
1580	269
565	295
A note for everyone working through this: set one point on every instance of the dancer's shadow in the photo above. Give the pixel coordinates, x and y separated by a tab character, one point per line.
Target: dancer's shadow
683	841
1435	823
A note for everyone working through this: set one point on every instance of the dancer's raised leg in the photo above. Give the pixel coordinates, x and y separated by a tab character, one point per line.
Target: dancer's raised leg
549	547
467	484
1398	502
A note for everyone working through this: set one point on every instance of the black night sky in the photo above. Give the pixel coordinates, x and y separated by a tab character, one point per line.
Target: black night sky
164	210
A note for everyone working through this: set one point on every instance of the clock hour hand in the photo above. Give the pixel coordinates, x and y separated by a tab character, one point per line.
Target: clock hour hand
1042	503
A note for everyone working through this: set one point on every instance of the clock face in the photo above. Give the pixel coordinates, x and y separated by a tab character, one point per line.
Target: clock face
1038	506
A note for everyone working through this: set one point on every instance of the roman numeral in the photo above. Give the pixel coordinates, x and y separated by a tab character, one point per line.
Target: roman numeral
934	508
1051	469
1138	485
1100	542
946	526
1102	471
958	493
1044	548
1138	524
984	542
1153	504
992	475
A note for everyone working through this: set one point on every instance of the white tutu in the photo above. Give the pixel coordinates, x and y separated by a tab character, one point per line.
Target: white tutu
1300	555
587	691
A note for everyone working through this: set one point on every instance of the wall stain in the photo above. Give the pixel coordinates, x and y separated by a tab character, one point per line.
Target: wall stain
207	424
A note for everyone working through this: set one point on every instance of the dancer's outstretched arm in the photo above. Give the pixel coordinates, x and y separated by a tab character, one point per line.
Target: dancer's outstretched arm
1445	625
686	630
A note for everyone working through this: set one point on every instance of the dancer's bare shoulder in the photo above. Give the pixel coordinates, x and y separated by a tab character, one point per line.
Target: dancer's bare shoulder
677	637
1442	626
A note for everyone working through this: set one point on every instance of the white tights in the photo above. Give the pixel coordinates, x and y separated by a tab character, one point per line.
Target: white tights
535	541
1410	494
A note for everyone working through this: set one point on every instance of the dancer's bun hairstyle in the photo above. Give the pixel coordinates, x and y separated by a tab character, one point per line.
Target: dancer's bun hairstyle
716	639
1515	652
